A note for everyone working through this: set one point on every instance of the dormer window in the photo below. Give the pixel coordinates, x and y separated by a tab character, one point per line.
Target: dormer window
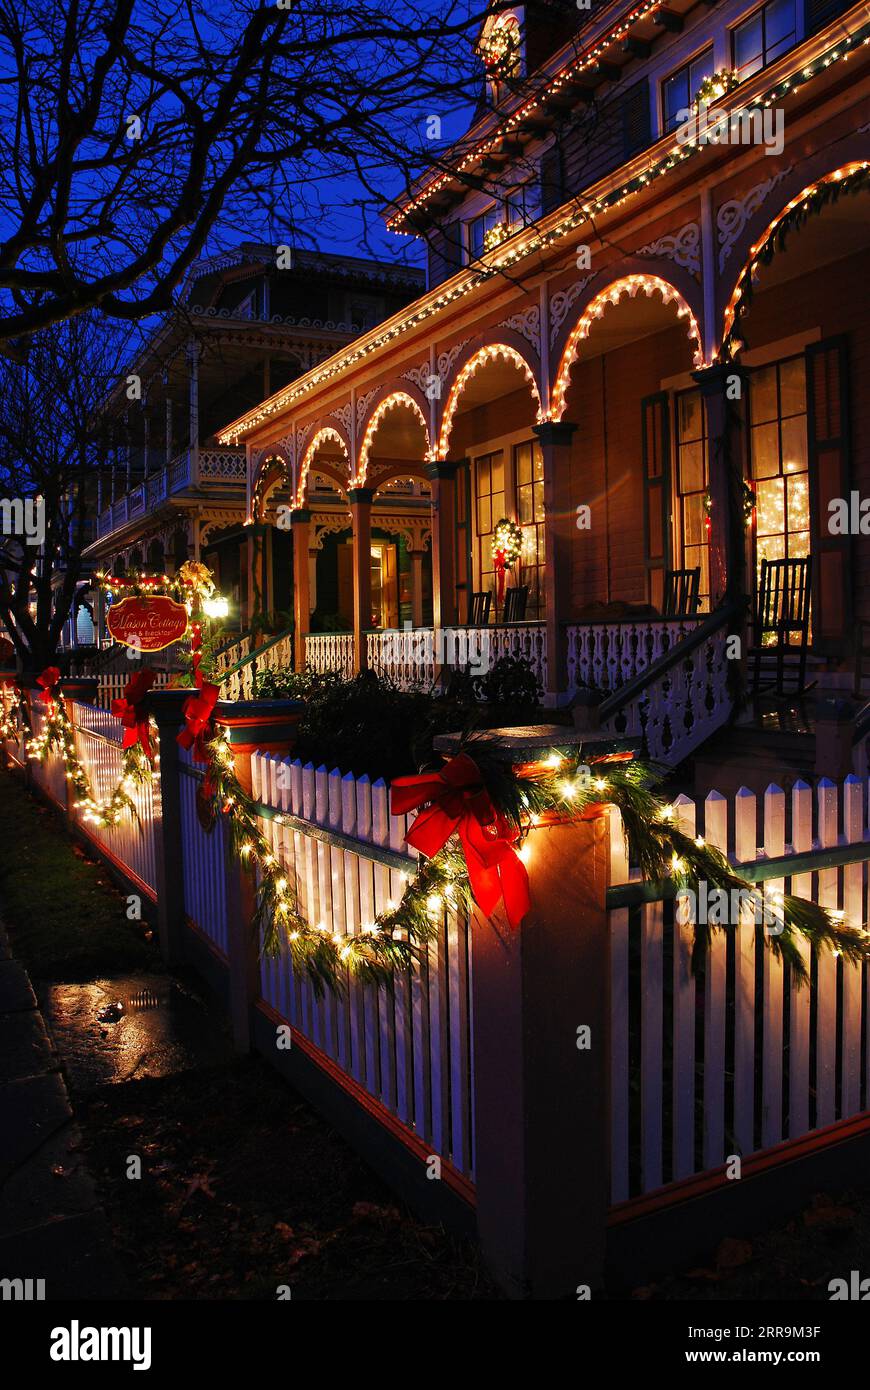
501	48
520	207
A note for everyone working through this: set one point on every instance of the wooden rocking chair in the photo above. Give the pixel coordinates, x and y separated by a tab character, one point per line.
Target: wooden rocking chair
515	603
682	593
782	609
480	606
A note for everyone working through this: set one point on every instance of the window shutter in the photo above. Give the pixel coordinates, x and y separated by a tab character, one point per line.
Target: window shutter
636	131
552	179
445	252
656	494
818	13
828	454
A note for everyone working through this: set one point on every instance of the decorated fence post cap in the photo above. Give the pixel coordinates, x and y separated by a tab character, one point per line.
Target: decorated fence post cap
166	705
525	744
269	725
81	688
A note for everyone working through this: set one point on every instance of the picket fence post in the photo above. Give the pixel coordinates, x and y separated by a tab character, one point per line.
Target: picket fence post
166	707
265	726
541	1041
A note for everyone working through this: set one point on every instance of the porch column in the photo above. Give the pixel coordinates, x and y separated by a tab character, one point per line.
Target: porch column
559	536
300	526
193	352
360	499
146	442
417	587
254	564
443	479
168	424
723	389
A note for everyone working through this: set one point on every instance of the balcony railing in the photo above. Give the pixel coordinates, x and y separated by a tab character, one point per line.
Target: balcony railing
215	466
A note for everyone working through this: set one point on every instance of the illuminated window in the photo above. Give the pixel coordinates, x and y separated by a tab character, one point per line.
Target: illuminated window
763	37
778	459
529	474
489	494
692	483
680	89
478	228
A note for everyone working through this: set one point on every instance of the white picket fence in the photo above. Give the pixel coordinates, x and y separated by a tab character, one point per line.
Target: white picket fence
113	685
408	1046
690	1085
204	860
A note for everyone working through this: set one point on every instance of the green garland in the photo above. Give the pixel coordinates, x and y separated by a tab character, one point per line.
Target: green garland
58	733
824	194
562	789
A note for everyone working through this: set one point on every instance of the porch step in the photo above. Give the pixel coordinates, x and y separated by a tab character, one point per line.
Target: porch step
773	743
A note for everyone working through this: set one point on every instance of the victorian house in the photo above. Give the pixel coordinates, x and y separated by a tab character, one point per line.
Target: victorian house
248	323
642	342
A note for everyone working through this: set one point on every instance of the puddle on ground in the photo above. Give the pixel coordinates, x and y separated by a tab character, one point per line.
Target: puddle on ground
130	1027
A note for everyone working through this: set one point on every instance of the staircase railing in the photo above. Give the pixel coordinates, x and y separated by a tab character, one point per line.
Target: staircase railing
681	698
238	682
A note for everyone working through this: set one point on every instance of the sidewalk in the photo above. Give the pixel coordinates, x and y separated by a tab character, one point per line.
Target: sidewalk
51	1226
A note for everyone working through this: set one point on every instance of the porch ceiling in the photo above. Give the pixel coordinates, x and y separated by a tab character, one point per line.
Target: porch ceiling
836	232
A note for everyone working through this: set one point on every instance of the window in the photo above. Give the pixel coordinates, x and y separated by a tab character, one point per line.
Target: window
763	37
478	229
778	460
680	89
692	482
521	206
490	501
529	474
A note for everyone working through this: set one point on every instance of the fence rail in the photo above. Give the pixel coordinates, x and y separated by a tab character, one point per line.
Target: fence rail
739	1057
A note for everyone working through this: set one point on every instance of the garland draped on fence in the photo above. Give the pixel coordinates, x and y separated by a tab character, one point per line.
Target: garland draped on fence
475	816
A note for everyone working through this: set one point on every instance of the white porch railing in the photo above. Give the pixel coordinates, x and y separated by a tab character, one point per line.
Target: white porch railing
215	466
330	651
678	707
606	655
412	656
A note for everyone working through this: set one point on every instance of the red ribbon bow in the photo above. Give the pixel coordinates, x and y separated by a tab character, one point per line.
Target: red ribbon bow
461	804
48	680
198	711
131	713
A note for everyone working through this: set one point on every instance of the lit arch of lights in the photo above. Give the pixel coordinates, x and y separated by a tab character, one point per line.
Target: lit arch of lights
849	176
631	285
270	471
396	400
479	359
320	437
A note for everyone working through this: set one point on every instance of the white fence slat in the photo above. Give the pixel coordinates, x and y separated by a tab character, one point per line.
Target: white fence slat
716	833
326	1002
853	908
402	1021
652	916
684	1026
368	913
773	982
826	966
339	909
799	996
745	848
353	867
386	1022
619	1018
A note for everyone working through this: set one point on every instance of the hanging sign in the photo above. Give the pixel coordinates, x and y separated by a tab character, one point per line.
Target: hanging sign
149	624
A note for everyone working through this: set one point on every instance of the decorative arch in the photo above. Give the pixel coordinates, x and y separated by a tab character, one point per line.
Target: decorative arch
395	400
811	199
320	436
478	359
273	469
629	285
